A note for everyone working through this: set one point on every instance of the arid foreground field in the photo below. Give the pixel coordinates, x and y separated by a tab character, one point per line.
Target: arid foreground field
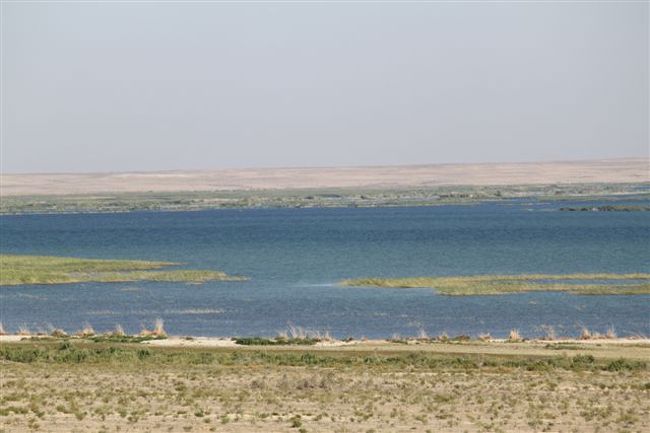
59	385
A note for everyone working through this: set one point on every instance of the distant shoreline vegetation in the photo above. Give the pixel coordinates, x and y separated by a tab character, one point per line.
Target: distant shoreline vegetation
579	284
607	208
26	269
312	198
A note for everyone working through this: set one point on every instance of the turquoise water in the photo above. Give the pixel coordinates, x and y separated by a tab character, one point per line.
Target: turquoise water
295	257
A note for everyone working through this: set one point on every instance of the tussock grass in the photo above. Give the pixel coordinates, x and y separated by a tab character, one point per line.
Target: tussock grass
157	331
292	336
611	333
119	331
514	335
20	269
58	333
86	331
469	285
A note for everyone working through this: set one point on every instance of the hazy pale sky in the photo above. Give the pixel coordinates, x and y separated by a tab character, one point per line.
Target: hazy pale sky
148	86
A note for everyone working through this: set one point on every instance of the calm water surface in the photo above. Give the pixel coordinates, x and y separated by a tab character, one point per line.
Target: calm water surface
295	257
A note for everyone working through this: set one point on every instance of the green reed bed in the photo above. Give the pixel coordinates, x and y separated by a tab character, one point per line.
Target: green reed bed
581	284
25	269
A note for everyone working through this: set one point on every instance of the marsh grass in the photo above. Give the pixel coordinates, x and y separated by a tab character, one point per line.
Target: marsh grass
582	284
20	269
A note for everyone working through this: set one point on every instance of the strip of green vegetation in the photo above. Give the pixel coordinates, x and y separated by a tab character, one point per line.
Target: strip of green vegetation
19	269
325	197
580	284
112	338
278	341
76	353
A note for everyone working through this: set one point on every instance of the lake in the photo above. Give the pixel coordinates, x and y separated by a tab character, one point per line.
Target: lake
296	257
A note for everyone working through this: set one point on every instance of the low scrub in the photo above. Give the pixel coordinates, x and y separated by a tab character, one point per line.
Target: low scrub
74	352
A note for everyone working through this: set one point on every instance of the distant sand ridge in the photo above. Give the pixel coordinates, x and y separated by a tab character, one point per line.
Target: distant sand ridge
629	170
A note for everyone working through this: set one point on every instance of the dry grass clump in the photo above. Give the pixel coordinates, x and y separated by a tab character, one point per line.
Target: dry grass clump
2	329
323	336
299	333
514	335
586	334
86	331
157	331
159	328
485	336
422	335
24	330
119	331
611	333
58	333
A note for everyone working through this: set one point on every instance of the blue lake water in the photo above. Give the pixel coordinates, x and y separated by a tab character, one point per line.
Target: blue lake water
295	258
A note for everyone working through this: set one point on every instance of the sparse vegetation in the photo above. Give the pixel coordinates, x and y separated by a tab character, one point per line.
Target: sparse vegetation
325	197
79	385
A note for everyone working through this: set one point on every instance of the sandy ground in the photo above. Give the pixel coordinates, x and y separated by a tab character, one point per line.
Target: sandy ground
631	170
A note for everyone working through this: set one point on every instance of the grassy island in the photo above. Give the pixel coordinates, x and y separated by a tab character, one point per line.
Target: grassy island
581	284
24	269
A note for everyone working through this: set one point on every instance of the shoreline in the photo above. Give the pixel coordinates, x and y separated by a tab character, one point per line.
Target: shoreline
418	343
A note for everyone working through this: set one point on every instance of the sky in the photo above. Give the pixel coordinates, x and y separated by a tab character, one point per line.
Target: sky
100	86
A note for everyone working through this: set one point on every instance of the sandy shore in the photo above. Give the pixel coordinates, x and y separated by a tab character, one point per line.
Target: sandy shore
606	347
630	170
